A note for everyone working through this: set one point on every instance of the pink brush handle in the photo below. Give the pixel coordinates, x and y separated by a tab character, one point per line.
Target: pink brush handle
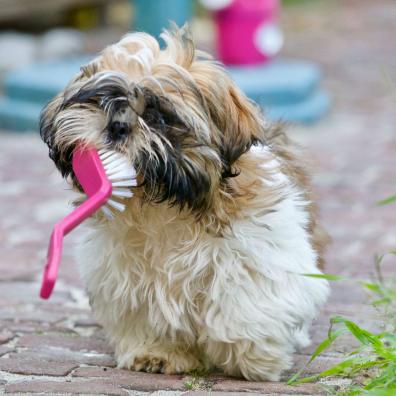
98	190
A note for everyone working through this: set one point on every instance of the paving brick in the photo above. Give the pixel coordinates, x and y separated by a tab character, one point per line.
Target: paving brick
317	366
19	365
4	350
56	354
74	343
364	314
77	312
134	380
86	322
5	335
20	315
233	385
211	393
28	293
25	326
22	262
342	344
88	387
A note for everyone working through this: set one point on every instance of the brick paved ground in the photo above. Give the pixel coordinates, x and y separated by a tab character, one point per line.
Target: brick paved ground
56	347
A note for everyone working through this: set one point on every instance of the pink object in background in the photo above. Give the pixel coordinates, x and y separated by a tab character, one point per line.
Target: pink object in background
248	32
91	174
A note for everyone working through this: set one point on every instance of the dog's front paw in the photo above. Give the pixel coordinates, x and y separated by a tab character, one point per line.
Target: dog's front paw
149	364
169	363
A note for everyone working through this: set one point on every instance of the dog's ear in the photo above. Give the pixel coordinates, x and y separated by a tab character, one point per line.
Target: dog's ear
237	123
61	158
241	126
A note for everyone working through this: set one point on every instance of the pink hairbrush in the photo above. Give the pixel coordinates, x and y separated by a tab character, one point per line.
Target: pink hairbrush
102	175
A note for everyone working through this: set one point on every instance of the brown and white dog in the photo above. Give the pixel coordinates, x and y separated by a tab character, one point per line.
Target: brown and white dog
205	266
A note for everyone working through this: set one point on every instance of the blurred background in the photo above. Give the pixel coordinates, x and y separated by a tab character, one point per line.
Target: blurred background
276	51
43	44
326	67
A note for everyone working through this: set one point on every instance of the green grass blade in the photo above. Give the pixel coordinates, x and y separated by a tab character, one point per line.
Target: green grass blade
388	200
381	301
386	378
329	277
372	365
369	364
390	338
305	380
341	368
374	287
363	336
381	392
294	379
326	344
319	349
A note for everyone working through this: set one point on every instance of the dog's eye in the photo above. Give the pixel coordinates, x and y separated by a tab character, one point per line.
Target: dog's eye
161	122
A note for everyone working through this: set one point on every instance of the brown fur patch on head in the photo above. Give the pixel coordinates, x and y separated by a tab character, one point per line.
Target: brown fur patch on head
235	121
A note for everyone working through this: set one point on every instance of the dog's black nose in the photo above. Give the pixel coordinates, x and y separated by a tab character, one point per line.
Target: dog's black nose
118	130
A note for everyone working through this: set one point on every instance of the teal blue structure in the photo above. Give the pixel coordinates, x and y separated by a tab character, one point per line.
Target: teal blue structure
26	91
287	90
152	16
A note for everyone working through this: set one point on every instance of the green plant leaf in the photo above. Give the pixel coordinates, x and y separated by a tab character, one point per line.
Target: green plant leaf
305	380
372	365
293	380
381	392
364	336
359	367
386	378
390	338
340	368
326	344
388	200
374	287
319	349
382	301
329	277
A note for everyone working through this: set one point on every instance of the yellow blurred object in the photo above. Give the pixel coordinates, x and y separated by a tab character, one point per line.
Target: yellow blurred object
41	10
85	17
119	14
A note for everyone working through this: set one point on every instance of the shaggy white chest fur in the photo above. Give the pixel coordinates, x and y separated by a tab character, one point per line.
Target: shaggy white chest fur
165	284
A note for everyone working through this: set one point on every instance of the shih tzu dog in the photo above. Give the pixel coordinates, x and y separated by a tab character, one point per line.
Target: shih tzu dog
207	265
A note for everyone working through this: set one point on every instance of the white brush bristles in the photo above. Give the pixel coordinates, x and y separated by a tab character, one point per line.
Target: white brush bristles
122	176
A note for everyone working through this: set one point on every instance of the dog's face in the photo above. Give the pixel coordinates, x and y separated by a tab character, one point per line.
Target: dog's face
174	113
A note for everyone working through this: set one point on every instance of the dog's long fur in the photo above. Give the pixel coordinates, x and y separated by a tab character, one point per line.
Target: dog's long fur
205	267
